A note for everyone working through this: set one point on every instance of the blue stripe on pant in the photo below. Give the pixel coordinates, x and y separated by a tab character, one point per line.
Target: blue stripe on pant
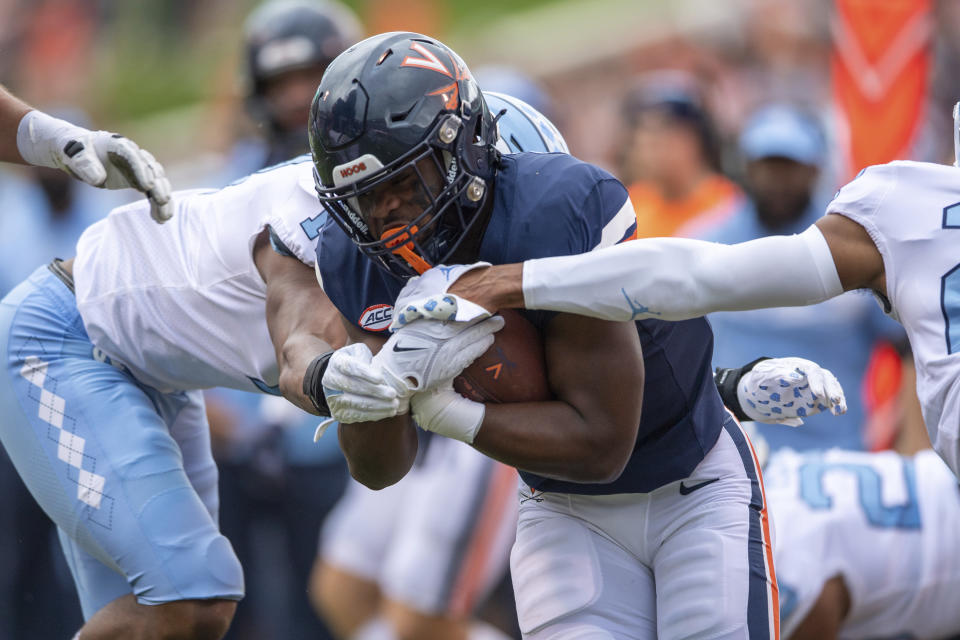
762	617
123	470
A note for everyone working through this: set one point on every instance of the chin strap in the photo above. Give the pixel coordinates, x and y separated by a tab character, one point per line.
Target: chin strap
401	245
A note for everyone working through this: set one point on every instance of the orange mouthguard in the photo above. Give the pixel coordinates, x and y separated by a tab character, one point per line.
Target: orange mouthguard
400	244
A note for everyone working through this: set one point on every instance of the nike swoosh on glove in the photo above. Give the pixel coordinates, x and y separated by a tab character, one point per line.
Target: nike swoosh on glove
786	390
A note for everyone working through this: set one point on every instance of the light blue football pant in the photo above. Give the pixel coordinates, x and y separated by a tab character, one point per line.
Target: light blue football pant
124	471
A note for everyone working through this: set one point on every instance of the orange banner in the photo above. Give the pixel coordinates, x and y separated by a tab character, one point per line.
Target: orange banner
880	69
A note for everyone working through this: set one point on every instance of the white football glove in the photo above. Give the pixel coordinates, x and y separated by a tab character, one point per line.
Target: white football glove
426	296
100	158
786	390
446	412
356	390
426	353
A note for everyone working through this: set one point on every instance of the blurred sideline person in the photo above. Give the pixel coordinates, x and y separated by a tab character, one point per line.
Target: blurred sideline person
270	486
405	562
784	149
670	158
287	47
99	158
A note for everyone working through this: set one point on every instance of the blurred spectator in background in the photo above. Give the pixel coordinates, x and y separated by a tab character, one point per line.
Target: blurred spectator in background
670	158
784	149
287	47
276	486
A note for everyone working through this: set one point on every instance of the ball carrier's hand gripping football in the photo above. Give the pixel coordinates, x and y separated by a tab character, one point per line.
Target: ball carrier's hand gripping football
361	387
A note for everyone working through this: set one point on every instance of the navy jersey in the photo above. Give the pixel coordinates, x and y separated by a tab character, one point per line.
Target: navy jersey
551	205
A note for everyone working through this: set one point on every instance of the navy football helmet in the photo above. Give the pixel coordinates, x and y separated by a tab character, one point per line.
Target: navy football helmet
384	108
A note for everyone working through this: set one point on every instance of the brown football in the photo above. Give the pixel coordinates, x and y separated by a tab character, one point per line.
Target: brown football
512	370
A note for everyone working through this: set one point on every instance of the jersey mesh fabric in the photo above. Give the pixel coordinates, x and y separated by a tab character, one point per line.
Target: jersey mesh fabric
182	305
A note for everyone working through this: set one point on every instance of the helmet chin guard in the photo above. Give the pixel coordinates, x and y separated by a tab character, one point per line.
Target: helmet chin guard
402	104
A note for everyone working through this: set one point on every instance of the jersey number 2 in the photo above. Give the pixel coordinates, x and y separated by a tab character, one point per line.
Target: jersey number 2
869	486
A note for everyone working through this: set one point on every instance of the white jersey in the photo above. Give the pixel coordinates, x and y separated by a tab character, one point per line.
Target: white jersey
182	305
912	212
884	523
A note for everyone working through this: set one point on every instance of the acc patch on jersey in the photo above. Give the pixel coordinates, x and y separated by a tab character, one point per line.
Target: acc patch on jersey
376	317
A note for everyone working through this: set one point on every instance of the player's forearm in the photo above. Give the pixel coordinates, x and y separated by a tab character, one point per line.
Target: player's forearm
12	111
379	453
296	355
553	440
677	279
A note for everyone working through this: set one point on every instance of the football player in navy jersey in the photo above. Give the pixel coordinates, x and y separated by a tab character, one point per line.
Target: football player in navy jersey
642	511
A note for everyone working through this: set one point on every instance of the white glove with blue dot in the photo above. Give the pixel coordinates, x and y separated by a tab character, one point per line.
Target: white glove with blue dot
426	296
786	390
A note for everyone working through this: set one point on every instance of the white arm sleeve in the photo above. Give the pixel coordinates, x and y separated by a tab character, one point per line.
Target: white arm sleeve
677	278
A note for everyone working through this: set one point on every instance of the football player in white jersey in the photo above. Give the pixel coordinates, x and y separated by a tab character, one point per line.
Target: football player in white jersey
892	230
104	359
861	550
99	158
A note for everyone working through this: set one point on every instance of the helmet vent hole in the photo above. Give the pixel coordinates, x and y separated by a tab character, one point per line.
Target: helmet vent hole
400	116
386	54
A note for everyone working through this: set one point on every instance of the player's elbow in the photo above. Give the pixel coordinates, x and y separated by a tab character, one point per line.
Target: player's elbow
606	464
374	480
378	454
605	455
377	474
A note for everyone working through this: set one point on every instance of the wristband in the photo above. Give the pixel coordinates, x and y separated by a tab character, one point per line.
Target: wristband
727	381
447	413
313	383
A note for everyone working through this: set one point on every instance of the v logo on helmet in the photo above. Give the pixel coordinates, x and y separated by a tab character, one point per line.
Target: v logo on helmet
450	95
428	61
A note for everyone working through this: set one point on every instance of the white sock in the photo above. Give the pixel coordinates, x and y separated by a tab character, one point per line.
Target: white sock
376	629
482	631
